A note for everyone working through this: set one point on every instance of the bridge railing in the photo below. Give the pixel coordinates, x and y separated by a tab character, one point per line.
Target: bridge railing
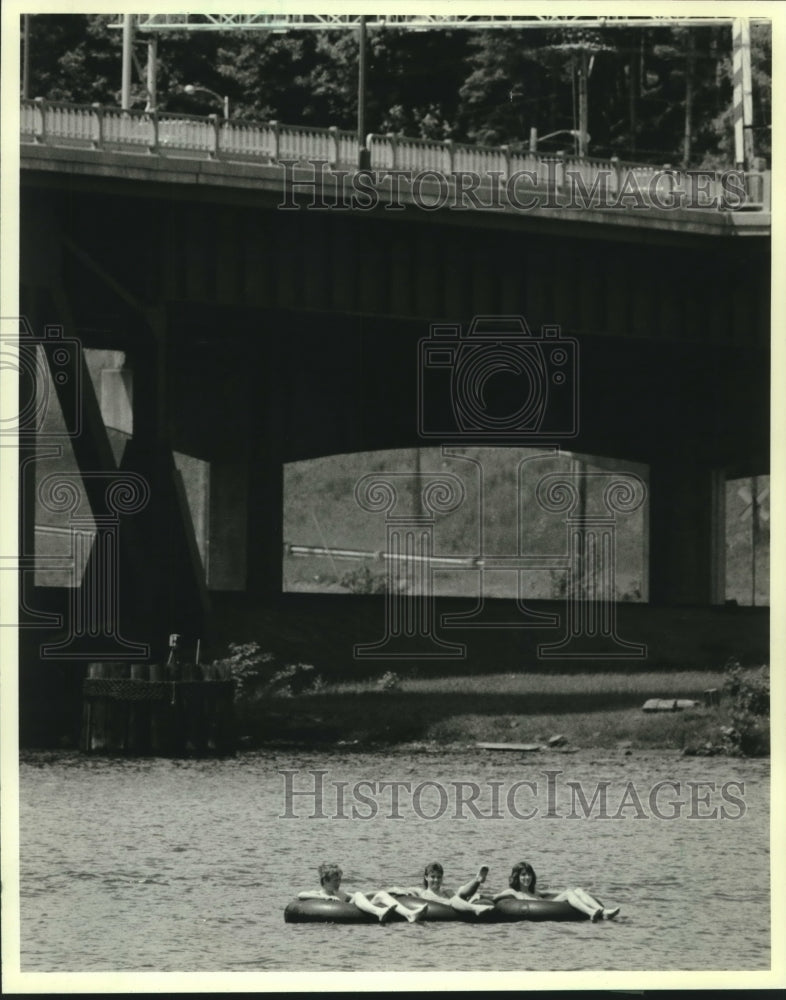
169	134
164	133
557	170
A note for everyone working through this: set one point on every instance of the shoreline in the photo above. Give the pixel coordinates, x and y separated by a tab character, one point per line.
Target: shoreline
693	713
694	733
698	713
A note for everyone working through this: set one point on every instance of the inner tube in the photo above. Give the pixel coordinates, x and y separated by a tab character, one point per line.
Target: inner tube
509	909
308	911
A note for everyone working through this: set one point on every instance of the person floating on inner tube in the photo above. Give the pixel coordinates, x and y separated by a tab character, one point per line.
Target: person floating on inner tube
381	905
432	889
522	886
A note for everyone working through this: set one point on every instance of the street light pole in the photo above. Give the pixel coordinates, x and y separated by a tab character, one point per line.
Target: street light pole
534	139
193	88
362	151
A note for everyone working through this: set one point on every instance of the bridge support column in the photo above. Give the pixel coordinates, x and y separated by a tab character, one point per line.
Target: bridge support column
687	534
172	591
267	432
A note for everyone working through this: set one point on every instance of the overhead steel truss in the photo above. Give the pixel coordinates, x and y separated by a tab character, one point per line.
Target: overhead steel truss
412	22
154	24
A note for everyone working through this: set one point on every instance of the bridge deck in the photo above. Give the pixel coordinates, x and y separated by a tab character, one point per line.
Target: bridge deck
321	165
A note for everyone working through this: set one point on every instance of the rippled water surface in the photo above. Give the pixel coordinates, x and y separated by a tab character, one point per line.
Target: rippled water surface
187	865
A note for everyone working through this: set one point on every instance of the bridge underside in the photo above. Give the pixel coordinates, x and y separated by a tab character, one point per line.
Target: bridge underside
258	337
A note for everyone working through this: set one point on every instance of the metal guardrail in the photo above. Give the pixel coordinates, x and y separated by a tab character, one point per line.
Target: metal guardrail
378	555
174	135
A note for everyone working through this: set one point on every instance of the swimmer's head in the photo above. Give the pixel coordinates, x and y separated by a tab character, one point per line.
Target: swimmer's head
432	876
330	873
522	877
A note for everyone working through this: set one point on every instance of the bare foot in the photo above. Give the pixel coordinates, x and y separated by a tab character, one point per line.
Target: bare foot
385	917
418	914
597	915
482	909
611	914
482	873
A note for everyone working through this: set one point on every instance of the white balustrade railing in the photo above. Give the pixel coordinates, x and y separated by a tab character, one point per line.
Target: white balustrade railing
167	134
478	159
181	132
347	148
136	130
245	139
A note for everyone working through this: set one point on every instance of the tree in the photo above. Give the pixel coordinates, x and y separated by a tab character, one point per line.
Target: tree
74	57
655	93
412	86
718	137
515	83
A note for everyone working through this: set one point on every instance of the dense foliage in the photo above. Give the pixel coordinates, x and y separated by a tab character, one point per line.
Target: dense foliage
749	710
259	674
659	94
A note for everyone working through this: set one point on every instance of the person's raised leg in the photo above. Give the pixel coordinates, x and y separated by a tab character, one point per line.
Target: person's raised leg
462	905
382	913
411	914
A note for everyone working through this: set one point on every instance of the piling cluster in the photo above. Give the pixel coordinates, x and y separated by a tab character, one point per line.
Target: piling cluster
167	710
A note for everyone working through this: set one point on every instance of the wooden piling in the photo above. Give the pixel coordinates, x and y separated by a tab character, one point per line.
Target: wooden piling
138	741
168	710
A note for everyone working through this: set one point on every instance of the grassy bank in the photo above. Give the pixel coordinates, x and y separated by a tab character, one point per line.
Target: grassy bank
591	710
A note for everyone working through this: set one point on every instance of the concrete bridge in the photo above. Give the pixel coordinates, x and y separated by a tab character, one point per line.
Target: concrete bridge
255	330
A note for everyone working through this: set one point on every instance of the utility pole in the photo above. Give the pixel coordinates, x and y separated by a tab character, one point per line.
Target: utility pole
152	65
743	101
363	154
26	56
583	102
689	67
634	85
128	52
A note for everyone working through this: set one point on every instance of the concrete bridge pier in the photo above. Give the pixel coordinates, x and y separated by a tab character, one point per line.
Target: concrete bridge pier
266	441
686	533
170	575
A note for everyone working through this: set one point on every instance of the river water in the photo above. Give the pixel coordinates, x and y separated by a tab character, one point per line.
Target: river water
187	865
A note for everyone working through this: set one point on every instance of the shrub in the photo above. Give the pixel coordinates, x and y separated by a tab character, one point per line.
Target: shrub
363	581
258	675
291	680
247	666
749	712
389	681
